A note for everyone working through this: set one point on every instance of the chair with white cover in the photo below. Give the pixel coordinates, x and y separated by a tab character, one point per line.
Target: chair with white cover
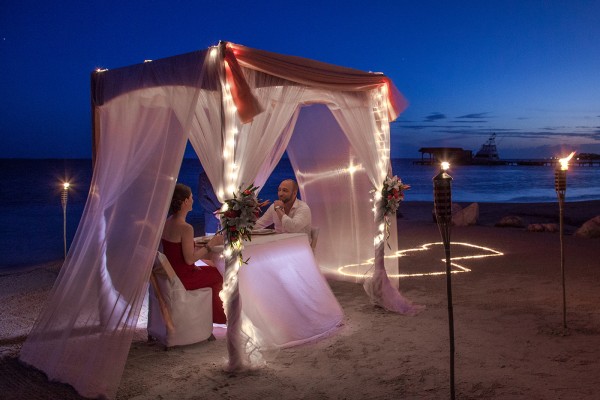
314	235
177	316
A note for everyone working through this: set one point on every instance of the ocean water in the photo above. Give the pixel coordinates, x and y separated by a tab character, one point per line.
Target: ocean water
31	215
500	184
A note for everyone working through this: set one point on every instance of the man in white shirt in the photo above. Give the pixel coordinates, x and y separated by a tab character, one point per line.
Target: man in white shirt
288	214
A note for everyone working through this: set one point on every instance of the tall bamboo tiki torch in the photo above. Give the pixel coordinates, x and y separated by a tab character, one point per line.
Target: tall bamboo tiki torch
560	185
442	200
63	200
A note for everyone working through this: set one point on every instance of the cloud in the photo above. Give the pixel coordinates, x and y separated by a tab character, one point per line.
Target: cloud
434	117
475	115
431	127
477	132
514	141
402	120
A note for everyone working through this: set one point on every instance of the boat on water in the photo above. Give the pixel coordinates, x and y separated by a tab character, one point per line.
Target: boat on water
488	153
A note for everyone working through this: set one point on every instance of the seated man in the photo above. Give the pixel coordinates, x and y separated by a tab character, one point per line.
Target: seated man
288	214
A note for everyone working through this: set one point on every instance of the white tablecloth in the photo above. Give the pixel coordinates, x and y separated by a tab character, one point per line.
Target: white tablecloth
283	292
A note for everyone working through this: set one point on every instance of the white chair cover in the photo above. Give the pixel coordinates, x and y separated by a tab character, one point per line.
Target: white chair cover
189	310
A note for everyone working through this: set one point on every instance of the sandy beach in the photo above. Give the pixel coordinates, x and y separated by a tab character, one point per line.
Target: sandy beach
509	335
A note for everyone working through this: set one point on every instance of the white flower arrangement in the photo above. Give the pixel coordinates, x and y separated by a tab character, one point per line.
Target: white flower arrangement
392	194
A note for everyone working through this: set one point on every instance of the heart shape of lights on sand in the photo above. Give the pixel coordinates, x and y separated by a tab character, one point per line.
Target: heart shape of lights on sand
462	251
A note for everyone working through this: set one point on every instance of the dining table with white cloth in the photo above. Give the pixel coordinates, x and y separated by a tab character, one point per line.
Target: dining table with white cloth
283	293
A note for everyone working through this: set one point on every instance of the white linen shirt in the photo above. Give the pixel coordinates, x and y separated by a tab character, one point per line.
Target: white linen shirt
297	221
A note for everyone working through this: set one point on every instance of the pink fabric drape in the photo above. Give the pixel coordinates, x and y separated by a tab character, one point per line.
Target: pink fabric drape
318	74
247	105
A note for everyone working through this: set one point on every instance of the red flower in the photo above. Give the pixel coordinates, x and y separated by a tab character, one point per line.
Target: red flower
232	213
247	192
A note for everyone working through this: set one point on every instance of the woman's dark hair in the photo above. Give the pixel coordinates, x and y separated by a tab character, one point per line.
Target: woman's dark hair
180	193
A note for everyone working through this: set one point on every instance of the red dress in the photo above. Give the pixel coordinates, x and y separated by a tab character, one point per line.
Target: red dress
194	277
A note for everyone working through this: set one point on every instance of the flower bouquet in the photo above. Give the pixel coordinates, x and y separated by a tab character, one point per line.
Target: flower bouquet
238	216
392	194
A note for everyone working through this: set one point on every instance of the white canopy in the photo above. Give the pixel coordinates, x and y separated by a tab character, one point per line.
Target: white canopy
241	109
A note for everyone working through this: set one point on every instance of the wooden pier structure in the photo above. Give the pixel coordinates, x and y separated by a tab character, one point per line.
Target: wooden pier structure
459	156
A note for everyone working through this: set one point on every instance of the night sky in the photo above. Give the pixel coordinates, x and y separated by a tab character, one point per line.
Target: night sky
527	70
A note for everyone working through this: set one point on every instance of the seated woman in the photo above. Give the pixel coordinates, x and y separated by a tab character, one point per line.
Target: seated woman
182	252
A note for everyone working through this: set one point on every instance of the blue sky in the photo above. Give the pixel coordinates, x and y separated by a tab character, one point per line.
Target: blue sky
527	70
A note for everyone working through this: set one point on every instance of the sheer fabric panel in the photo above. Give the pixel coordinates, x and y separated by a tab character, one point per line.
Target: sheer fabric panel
362	117
257	146
335	185
237	155
355	122
83	335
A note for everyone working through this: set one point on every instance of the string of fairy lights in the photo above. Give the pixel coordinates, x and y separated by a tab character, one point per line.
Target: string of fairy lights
230	168
382	136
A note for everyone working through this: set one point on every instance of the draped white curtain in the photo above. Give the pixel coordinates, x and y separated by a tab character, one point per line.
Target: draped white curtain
241	154
83	335
236	155
335	182
364	119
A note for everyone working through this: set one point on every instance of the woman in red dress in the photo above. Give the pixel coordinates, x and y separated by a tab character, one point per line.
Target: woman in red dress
182	252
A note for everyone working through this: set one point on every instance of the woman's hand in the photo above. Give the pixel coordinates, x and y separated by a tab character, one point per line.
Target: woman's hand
216	240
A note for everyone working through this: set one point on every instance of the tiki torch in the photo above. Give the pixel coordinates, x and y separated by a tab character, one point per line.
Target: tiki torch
442	202
560	185
64	196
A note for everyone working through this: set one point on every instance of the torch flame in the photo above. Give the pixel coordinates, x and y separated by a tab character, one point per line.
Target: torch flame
564	162
66	185
445	165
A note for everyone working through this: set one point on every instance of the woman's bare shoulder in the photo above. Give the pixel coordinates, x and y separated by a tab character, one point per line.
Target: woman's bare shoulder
174	230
